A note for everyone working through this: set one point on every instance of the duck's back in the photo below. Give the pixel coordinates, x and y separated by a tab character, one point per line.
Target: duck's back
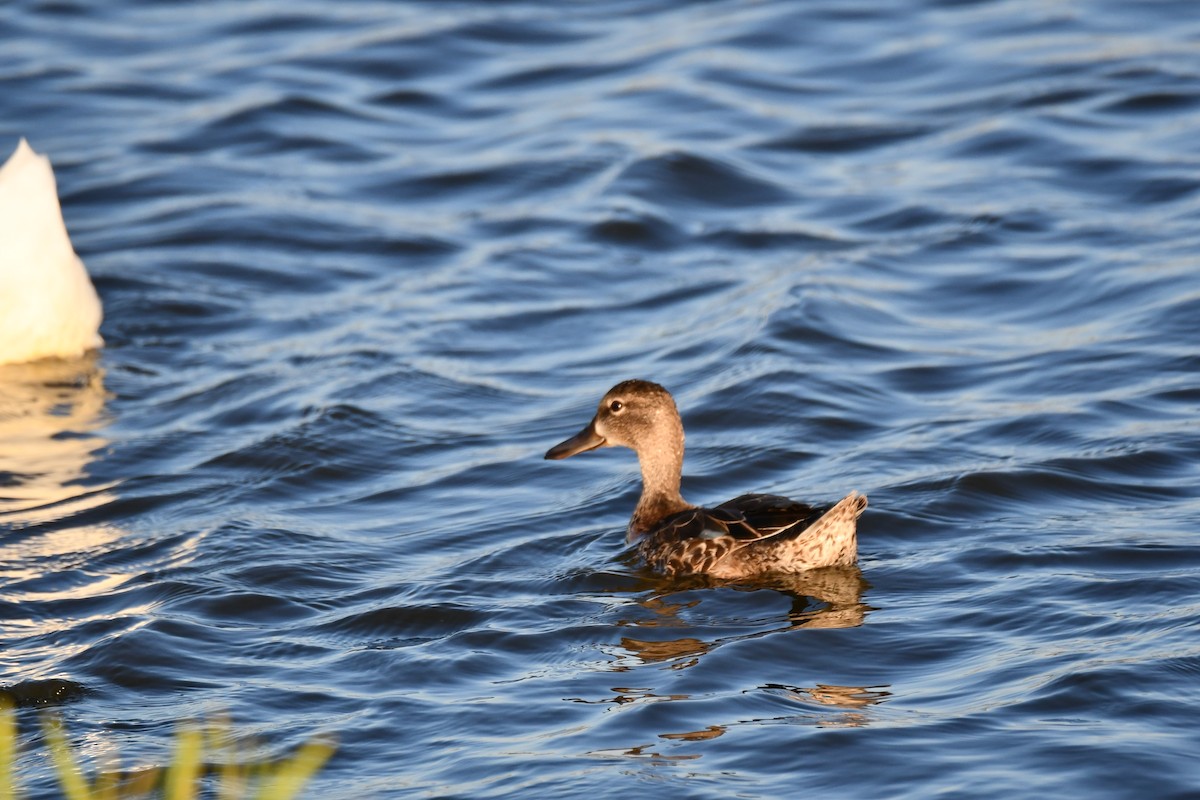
755	534
769	514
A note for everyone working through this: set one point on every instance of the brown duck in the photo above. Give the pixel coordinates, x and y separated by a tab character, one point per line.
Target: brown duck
755	534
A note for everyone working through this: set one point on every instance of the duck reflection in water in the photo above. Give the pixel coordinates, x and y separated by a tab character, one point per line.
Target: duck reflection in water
820	599
821	706
851	701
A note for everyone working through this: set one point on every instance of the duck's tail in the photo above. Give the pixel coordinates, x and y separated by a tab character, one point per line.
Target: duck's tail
830	541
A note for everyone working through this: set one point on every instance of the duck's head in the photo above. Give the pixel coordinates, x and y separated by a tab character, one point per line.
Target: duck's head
636	414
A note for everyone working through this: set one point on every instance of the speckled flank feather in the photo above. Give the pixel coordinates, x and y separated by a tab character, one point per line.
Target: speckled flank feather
750	535
722	543
830	541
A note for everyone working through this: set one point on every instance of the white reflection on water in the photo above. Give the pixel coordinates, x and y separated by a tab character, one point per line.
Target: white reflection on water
51	412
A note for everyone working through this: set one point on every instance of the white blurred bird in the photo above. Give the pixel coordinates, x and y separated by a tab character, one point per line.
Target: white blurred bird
48	306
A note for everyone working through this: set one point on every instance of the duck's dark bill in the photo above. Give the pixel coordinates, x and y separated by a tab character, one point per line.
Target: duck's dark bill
586	439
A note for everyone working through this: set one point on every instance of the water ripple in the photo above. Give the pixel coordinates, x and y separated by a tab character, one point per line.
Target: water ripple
362	263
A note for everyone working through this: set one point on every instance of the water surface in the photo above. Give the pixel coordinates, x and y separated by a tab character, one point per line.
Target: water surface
363	263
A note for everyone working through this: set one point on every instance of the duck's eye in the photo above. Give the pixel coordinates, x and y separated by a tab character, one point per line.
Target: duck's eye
615	406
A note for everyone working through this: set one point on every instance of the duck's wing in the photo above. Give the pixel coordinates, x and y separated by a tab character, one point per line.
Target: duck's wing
705	524
771	514
774	533
695	540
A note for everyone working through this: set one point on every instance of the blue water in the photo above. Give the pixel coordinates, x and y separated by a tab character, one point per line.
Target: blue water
362	263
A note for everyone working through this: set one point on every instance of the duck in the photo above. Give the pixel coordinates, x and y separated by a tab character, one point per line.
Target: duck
48	305
752	535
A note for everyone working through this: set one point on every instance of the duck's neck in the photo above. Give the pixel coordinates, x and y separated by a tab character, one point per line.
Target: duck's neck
661	460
